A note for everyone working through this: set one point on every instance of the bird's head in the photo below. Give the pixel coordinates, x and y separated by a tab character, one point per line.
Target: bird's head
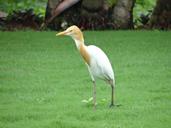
73	32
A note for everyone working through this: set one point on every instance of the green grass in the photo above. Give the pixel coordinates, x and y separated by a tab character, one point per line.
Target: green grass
43	81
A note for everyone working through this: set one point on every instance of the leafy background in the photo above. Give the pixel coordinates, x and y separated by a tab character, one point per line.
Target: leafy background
142	7
39	6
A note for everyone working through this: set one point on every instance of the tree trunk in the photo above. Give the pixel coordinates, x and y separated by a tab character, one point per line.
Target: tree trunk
53	11
161	17
51	5
123	14
89	14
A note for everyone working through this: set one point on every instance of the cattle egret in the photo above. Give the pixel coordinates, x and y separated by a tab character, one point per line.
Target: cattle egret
96	60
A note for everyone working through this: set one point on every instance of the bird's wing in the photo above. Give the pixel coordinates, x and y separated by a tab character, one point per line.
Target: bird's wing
101	61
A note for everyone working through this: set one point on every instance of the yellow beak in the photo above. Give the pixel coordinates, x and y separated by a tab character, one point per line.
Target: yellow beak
61	33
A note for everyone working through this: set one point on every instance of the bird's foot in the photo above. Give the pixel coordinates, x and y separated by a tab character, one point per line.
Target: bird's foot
111	105
114	105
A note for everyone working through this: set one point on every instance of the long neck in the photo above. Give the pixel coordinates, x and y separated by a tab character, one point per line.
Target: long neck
79	39
78	43
83	50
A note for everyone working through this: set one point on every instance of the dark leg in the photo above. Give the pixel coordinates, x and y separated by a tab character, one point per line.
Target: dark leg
112	94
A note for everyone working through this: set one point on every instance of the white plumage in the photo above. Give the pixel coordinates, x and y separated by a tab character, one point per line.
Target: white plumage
96	60
100	65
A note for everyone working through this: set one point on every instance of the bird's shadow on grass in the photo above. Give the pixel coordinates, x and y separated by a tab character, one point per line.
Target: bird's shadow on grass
102	106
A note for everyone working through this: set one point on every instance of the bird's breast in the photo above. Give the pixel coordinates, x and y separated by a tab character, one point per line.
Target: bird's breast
84	53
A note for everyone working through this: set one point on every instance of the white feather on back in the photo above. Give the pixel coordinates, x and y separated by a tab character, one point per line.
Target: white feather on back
100	65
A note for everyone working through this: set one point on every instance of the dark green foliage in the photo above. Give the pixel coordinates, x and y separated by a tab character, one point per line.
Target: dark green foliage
22	14
14	5
142	11
21	19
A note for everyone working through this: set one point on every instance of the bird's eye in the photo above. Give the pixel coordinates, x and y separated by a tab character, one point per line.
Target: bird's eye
70	30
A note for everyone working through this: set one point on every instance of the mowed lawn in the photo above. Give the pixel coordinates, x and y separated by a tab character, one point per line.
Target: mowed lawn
43	81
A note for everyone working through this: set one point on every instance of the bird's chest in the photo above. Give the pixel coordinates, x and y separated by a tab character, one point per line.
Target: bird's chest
85	55
96	70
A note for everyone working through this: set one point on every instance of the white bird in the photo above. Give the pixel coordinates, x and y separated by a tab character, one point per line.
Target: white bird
96	60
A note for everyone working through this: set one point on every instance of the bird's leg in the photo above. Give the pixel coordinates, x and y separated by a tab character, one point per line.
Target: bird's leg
112	95
94	87
94	95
